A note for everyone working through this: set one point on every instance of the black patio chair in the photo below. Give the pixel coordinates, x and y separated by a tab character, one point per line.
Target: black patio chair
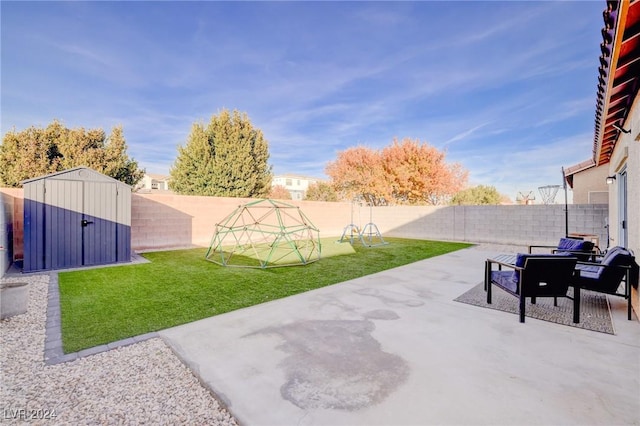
615	269
537	275
584	250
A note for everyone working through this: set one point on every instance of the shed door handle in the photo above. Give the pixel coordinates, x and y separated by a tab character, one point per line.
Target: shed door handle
85	222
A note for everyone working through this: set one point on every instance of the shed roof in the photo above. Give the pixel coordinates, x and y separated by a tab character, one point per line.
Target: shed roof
91	175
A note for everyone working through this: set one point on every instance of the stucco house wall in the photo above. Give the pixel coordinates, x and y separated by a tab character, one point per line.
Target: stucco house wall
590	187
626	157
633	172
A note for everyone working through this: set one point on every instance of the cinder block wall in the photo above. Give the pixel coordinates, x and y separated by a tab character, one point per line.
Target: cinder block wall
168	221
161	221
519	224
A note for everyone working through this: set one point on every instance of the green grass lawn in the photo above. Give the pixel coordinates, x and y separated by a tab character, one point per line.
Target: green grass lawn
103	305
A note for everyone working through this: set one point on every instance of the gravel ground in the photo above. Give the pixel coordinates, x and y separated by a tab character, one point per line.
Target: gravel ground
144	383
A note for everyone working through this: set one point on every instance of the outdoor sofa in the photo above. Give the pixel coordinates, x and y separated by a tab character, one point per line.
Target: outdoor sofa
585	250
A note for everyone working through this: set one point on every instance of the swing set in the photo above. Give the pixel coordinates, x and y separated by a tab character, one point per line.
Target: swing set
369	235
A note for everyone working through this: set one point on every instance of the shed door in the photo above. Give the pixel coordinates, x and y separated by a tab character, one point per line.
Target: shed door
61	224
99	223
81	224
99	243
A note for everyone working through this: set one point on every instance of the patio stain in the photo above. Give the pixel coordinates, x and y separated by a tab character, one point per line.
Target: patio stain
381	314
424	293
389	298
336	364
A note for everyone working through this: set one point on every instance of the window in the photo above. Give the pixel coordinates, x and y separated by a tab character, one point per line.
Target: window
288	182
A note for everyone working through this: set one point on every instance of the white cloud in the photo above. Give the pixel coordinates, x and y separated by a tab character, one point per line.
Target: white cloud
502	86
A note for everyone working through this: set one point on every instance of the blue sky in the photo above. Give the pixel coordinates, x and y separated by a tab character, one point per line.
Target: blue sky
508	89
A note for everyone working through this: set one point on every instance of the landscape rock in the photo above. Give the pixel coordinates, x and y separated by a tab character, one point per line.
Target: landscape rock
135	384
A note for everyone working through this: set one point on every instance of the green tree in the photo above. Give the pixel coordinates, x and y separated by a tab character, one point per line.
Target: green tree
38	151
320	191
227	158
476	195
192	172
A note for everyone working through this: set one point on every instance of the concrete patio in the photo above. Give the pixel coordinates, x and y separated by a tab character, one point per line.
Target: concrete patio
394	348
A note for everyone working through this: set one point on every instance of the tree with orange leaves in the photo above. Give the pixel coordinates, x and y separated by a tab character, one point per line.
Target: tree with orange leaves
406	172
279	192
358	172
418	173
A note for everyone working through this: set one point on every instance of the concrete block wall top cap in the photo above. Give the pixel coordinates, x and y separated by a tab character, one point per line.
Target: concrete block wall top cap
11	284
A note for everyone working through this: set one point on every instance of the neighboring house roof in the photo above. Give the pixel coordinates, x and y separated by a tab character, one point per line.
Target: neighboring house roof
619	74
294	176
572	170
158	177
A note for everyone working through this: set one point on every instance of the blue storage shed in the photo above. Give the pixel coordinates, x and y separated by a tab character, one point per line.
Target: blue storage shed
77	217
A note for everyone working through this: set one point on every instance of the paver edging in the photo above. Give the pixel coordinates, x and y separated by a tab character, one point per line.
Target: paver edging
53	353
